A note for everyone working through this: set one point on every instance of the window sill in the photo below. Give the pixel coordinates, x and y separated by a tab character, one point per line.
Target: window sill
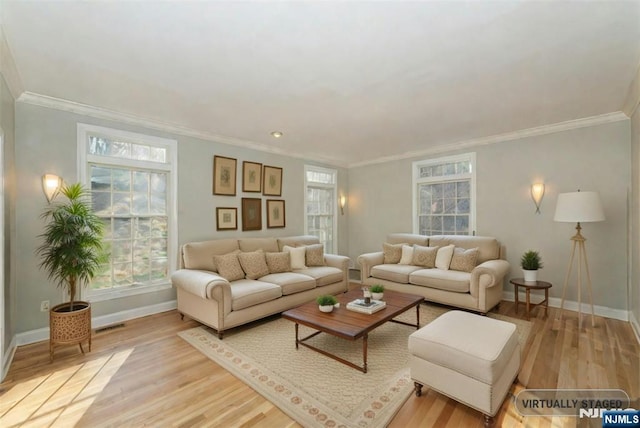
133	290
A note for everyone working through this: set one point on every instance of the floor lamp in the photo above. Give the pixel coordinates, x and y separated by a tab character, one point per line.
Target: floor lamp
579	207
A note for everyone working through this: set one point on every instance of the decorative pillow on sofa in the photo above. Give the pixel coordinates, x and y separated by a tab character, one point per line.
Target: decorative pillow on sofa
443	257
314	255
424	256
392	253
464	260
229	266
278	262
254	264
297	256
407	255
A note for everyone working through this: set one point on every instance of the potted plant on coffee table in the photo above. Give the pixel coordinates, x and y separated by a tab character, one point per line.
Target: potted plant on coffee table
326	302
71	253
530	262
377	291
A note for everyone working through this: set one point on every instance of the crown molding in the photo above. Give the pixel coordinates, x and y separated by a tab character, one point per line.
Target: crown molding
8	67
632	101
500	138
130	119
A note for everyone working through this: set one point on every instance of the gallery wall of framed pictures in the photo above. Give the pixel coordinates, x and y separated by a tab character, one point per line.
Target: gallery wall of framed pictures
256	178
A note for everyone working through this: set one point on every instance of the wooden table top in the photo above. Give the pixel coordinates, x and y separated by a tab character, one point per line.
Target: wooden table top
520	282
348	324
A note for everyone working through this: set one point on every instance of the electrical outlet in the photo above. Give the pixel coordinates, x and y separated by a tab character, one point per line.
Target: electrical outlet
44	306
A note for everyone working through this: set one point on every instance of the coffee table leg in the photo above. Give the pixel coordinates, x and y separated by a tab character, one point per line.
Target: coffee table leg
297	336
516	288
418	316
546	298
528	291
364	353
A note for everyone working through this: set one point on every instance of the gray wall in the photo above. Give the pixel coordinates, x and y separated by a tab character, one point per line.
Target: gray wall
635	217
46	142
7	123
590	158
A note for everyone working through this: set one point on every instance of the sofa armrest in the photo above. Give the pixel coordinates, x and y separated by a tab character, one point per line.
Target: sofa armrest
369	260
204	284
336	261
488	274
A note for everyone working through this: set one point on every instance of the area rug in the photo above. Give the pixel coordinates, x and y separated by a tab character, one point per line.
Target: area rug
313	389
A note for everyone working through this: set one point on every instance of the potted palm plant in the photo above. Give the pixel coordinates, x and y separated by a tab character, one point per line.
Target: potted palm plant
530	262
71	253
326	302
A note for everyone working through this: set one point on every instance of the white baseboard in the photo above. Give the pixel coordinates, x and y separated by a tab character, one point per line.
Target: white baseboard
41	334
634	325
8	358
554	302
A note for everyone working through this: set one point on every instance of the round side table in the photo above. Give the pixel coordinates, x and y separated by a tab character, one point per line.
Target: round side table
528	286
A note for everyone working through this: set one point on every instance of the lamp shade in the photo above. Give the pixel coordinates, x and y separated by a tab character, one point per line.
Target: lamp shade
579	207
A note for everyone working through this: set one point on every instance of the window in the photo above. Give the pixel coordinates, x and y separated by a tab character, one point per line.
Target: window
132	179
320	205
444	196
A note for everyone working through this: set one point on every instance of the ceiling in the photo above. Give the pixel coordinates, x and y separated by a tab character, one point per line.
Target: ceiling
346	82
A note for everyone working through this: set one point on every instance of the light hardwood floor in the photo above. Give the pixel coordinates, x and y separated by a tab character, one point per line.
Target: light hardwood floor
144	375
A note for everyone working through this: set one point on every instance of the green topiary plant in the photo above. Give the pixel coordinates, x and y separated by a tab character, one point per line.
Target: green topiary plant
326	300
377	288
531	260
71	251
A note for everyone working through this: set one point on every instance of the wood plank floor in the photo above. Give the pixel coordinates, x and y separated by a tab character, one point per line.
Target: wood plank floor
144	375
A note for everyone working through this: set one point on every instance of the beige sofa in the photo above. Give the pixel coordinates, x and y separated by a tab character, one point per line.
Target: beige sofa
206	296
478	289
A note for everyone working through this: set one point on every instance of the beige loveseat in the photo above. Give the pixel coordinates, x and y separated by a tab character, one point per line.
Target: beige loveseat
476	285
205	295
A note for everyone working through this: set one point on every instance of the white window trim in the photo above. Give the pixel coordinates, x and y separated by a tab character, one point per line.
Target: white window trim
333	186
171	165
416	180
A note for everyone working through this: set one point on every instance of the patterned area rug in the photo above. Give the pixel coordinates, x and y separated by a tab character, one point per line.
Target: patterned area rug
313	389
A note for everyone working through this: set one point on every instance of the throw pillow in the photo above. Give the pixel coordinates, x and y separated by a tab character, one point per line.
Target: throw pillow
229	266
407	255
253	264
464	260
297	256
443	257
315	255
392	253
424	256
278	262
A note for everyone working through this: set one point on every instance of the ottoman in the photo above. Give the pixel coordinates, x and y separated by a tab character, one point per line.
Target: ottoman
470	358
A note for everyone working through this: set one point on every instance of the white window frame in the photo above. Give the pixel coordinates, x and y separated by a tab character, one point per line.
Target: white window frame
417	180
170	166
334	187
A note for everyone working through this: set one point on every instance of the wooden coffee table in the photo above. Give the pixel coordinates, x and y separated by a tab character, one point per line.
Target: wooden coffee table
528	286
351	325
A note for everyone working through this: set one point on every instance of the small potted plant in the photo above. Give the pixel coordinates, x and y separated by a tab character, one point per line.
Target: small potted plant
326	302
530	263
377	291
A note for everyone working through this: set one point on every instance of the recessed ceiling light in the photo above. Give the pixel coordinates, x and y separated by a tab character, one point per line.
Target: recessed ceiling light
276	134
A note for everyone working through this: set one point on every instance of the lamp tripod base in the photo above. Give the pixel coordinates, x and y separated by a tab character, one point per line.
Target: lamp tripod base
579	243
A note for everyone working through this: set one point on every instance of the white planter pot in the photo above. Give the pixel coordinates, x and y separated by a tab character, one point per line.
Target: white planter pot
377	296
530	275
325	308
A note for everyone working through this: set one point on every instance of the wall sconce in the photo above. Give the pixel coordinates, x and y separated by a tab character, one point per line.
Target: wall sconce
343	202
51	185
537	192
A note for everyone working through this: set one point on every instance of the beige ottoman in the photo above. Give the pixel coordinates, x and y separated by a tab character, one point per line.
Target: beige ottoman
470	358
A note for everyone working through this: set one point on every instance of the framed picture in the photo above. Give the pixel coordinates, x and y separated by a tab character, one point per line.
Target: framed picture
251	214
224	176
271	181
226	218
251	177
275	213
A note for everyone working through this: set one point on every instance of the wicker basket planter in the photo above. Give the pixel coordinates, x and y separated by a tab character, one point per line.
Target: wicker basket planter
69	327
